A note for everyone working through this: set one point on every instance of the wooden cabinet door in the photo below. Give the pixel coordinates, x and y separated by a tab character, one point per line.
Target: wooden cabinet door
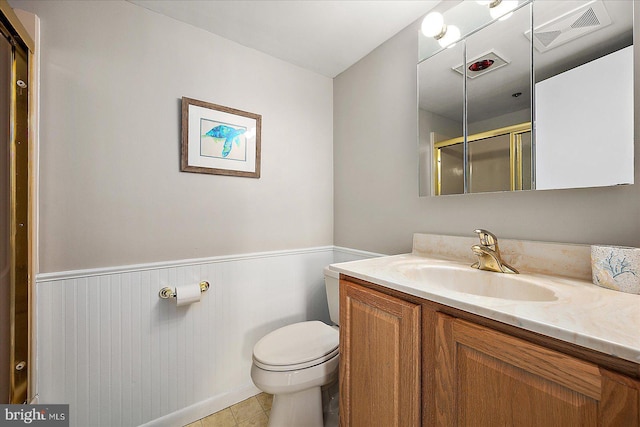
379	359
487	378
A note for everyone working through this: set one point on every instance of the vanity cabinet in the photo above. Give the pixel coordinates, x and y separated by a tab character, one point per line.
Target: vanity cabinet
380	359
493	379
452	368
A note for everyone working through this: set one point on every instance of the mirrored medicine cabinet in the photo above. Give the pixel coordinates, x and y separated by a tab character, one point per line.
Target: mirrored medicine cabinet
537	96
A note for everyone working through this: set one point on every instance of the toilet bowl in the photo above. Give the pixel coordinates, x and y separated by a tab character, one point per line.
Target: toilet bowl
295	363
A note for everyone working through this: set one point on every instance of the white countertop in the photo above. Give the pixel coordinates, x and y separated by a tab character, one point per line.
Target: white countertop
580	313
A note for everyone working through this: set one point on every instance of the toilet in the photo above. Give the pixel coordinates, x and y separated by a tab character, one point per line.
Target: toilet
298	364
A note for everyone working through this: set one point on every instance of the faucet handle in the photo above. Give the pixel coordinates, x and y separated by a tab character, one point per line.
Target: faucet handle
487	238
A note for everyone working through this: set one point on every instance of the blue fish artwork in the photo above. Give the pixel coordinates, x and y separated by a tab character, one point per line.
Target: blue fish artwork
229	134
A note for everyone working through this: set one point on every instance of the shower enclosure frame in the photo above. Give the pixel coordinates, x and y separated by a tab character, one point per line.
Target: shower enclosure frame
22	168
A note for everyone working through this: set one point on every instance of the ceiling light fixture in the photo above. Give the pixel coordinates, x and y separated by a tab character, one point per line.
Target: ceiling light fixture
451	35
502	9
433	26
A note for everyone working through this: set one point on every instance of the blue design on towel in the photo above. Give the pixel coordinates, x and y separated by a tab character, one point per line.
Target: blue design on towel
229	134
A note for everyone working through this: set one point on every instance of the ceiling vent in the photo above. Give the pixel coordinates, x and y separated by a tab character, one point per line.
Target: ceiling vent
576	23
483	64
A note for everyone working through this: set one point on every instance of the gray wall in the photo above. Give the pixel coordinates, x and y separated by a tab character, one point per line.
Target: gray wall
376	203
110	188
111	192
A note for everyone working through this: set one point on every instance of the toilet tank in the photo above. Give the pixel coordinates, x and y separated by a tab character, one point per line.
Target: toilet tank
332	285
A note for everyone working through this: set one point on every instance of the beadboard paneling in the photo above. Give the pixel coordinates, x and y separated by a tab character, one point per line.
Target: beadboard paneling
121	356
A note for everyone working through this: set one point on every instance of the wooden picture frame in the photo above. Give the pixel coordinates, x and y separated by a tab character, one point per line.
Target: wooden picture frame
219	140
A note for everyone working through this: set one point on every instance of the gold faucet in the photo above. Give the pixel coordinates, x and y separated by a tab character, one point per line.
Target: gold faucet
488	254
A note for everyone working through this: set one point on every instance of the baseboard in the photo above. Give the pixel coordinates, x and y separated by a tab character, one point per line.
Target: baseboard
205	408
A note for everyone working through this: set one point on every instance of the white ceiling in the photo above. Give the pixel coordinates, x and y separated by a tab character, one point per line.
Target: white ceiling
325	36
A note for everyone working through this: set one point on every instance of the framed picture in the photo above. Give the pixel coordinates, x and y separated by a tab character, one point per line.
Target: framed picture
219	140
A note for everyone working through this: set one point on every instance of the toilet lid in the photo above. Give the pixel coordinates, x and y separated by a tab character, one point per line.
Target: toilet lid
296	346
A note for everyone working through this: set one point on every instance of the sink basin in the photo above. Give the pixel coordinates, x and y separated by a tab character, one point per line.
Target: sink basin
475	282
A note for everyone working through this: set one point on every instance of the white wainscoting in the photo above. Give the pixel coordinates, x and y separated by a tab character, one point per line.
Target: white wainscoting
121	356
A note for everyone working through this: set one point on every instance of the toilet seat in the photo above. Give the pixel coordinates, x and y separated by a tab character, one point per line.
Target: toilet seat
298	346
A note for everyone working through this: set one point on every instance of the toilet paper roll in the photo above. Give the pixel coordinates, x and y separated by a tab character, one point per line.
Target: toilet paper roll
187	294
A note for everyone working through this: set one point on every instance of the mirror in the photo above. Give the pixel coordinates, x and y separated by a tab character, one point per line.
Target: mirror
440	118
478	131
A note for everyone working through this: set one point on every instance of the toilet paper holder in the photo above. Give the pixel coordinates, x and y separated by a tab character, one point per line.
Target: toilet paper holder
167	292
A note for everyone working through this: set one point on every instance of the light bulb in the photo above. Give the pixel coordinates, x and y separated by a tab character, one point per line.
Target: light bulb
432	24
450	37
503	10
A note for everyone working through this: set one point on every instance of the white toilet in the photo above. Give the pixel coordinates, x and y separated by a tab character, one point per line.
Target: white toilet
294	363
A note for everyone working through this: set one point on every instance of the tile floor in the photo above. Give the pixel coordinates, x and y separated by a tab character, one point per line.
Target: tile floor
253	412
